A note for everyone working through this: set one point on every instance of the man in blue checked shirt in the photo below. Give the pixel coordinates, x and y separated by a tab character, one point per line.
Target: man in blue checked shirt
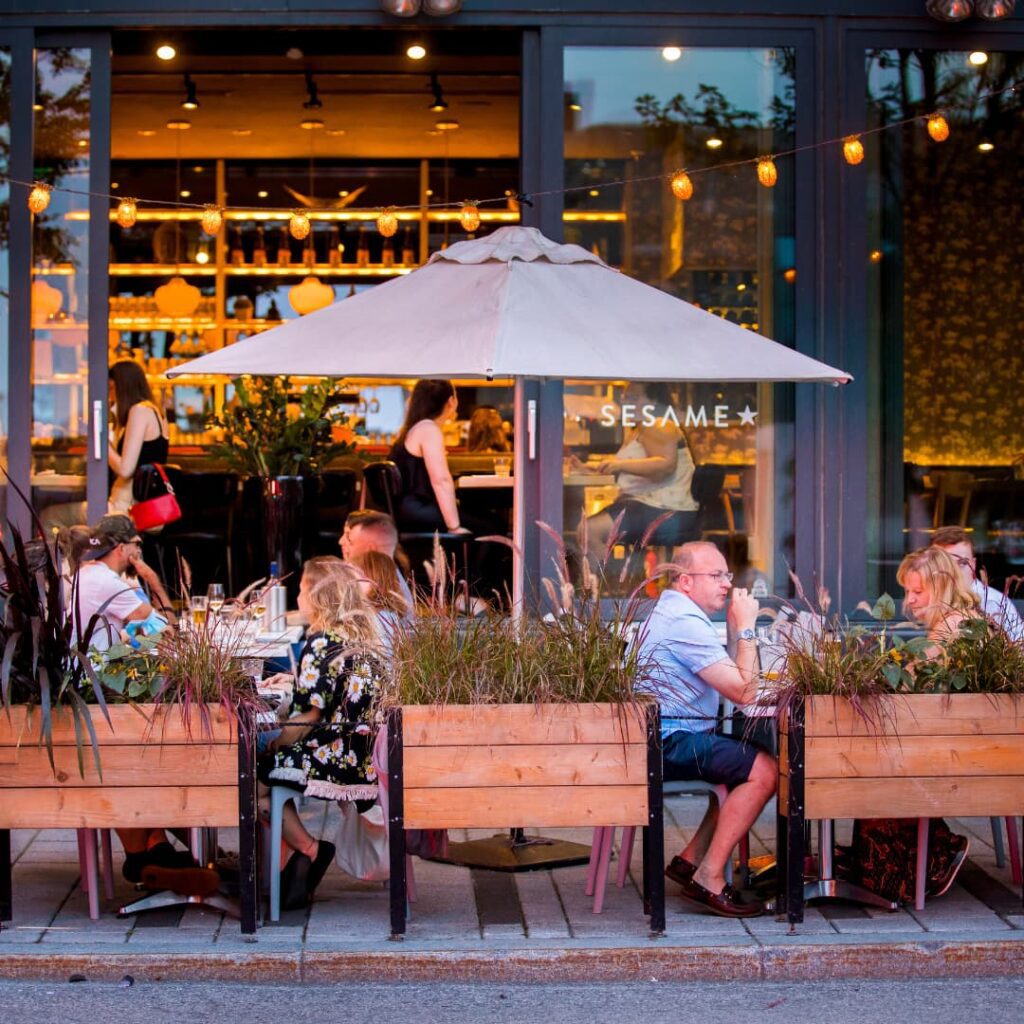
691	670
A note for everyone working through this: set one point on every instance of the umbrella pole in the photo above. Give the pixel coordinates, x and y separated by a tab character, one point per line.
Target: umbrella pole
521	450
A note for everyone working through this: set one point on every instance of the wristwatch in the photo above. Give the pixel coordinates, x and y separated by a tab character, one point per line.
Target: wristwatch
745	634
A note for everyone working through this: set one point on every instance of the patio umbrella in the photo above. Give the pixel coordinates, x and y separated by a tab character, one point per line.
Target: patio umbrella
515	304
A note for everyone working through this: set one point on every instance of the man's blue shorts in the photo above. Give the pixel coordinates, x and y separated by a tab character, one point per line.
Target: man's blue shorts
719	760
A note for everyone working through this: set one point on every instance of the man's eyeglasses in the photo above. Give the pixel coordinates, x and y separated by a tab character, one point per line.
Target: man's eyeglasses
967	563
718	577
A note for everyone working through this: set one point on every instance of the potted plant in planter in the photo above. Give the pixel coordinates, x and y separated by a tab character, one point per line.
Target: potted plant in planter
281	442
514	722
171	744
873	726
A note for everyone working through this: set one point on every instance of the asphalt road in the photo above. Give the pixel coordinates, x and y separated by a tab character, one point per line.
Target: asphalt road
859	1002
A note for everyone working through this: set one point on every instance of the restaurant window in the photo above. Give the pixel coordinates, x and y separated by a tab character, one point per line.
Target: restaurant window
5	150
60	262
633	117
944	298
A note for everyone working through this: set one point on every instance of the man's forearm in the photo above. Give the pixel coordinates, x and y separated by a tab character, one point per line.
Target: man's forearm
747	663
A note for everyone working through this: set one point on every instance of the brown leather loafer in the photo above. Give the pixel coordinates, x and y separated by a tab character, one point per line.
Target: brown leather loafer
725	903
200	882
680	870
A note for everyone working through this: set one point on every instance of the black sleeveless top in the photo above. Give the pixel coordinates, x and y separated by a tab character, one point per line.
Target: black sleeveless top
156	450
417	507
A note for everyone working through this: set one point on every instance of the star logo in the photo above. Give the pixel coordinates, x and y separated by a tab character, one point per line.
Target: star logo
747	417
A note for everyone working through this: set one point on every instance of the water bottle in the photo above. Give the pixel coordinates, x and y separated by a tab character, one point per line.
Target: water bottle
274	618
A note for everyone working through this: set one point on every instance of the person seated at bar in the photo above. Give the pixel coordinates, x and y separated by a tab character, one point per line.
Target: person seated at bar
653	470
428	499
325	747
956	542
381	585
487	432
367	530
883	855
691	673
100	560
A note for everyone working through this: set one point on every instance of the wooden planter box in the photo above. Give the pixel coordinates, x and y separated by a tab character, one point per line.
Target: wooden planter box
155	773
912	756
534	766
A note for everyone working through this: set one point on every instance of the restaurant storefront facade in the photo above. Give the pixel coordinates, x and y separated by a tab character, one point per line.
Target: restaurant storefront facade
902	268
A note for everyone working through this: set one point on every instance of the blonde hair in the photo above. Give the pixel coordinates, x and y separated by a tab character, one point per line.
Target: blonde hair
950	596
336	602
386	589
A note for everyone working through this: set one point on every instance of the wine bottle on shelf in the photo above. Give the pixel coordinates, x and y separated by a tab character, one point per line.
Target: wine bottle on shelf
363	248
236	254
334	247
387	255
408	255
284	247
309	251
259	254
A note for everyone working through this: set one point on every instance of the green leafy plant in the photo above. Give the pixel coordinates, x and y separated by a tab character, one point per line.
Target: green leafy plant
268	431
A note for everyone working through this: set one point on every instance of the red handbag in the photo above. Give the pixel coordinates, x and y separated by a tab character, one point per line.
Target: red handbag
154	512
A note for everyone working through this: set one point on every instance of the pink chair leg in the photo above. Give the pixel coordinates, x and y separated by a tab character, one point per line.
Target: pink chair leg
595	856
108	863
604	860
83	871
1013	845
921	871
90	867
625	854
410	880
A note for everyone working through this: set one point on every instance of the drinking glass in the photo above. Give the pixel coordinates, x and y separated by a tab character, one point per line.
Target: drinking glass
259	607
197	608
215	597
503	465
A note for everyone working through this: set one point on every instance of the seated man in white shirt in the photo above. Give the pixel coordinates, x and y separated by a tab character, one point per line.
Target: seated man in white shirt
956	542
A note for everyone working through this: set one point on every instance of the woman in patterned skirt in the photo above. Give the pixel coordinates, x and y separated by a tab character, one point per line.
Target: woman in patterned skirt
325	747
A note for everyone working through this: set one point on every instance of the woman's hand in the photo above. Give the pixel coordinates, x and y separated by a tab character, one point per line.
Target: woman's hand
281	682
611	466
460	530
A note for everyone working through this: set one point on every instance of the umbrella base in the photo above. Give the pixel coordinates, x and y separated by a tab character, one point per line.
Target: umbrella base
516	853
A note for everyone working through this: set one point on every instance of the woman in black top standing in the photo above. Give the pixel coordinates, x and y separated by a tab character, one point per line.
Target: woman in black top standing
428	492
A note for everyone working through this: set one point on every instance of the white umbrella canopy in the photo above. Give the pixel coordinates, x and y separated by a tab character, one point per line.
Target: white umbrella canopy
515	304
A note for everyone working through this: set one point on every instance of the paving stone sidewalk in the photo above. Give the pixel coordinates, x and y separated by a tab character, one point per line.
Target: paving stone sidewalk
494	915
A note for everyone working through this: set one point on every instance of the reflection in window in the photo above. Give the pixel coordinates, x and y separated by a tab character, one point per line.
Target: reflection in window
633	118
944	294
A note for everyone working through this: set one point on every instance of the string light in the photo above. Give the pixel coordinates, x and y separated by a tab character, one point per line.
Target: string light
469	217
39	197
127	212
682	187
766	172
212	219
938	127
387	221
298	225
853	149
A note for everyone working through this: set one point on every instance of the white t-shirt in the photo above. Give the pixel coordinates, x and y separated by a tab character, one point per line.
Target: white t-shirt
998	607
101	590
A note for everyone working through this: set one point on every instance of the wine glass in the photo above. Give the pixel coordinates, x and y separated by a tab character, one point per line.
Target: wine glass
259	606
215	597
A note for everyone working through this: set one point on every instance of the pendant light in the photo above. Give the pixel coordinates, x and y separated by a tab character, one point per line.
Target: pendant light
177	298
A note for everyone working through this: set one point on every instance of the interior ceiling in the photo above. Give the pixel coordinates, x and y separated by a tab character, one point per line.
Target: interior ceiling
379	100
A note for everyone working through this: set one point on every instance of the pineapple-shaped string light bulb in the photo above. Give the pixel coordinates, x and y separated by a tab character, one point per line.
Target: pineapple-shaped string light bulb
127	212
299	225
39	197
387	222
766	171
938	127
212	218
682	187
853	149
469	217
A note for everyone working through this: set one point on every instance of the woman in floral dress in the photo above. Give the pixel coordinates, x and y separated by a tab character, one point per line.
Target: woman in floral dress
325	747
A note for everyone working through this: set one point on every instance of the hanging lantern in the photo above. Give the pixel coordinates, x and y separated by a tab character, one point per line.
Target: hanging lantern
177	298
299	225
401	8
682	187
39	197
46	302
469	217
212	219
993	10
127	212
938	127
766	172
950	10
441	8
312	294
387	222
853	149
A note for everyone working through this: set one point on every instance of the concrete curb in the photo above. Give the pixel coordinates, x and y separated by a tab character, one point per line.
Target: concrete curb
805	962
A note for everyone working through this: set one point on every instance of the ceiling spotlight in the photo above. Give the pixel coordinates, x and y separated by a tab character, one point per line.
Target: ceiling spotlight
993	10
985	146
441	8
198	169
438	104
573	102
447	124
294	53
313	101
335	131
416	52
263	193
146	133
179	125
311	123
671	53
714	142
185	193
166	52
242	133
950	10
190	102
37	107
977	58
